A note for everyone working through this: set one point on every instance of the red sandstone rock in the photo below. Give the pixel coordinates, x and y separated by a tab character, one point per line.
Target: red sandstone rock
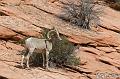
11	2
29	19
6	33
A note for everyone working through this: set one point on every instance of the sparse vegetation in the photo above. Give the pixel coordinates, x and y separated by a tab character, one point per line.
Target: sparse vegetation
85	14
62	53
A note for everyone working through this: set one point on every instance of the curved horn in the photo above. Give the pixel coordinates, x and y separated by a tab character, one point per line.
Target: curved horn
54	30
58	34
48	34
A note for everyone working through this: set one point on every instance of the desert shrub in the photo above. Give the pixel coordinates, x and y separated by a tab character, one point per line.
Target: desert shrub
85	14
37	59
62	53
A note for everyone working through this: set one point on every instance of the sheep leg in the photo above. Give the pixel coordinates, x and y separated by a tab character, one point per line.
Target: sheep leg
47	60
28	56
22	60
43	59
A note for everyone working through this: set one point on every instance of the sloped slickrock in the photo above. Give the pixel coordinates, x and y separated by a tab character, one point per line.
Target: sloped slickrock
14	11
107	49
20	26
110	19
105	38
10	66
9	51
14	46
57	9
6	33
100	38
91	62
113	55
11	2
99	49
110	61
19	37
92	50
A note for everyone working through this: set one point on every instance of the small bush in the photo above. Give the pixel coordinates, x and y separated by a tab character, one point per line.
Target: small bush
62	53
37	59
85	14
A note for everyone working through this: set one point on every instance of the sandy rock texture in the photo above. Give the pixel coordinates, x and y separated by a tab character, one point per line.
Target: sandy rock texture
99	48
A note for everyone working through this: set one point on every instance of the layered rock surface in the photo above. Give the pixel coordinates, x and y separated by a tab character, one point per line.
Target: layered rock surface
99	49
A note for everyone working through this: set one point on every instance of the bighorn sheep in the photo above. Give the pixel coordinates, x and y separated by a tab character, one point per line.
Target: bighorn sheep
41	44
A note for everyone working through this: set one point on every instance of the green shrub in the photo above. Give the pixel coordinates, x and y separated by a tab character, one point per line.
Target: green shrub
84	14
62	53
37	59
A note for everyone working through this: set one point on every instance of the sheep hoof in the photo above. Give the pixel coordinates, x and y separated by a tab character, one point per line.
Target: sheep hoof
28	68
47	69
